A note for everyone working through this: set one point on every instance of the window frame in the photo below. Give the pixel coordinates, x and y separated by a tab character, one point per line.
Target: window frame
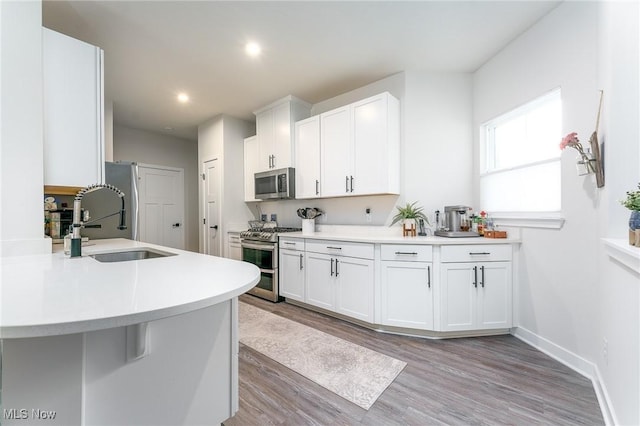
550	219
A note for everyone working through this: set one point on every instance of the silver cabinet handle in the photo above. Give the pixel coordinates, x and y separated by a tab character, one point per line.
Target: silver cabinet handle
429	276
317	187
334	248
346	184
479	253
336	267
475	276
351	183
482	276
332	267
289	242
274	160
407	253
301	262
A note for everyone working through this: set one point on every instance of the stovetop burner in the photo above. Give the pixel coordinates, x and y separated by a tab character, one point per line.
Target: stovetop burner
266	234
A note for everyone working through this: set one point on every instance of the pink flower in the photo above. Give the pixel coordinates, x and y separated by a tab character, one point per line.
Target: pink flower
570	140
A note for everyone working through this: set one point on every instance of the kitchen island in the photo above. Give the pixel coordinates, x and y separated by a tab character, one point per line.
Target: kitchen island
151	341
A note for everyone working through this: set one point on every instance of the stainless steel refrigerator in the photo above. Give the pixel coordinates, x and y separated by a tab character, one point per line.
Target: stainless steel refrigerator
101	204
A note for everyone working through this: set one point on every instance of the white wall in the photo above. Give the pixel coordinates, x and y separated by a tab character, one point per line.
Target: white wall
618	313
21	130
563	296
164	150
435	125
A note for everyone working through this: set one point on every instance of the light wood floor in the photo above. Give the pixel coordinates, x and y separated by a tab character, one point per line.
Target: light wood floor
475	381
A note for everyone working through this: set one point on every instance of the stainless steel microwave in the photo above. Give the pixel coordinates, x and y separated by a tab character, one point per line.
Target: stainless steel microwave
276	184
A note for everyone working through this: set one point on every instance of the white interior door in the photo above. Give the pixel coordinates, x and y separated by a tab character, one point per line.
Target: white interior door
212	228
161	205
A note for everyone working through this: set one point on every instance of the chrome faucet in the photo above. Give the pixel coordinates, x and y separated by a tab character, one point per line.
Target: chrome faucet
76	239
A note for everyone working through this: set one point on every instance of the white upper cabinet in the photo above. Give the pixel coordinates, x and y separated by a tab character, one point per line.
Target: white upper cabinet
73	111
336	151
275	129
250	167
359	148
307	157
376	143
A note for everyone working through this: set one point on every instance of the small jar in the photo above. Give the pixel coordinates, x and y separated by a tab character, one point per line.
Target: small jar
67	242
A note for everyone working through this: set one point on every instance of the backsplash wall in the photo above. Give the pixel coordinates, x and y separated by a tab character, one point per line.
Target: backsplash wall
435	151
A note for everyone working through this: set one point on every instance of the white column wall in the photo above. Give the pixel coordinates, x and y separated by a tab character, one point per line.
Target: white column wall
21	130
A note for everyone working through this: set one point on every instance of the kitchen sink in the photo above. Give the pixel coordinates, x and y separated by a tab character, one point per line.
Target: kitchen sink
133	254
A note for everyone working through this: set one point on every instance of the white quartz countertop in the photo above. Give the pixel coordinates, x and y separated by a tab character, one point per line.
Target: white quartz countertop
376	238
52	294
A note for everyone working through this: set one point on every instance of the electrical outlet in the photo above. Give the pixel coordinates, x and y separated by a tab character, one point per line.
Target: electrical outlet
274	217
605	350
367	213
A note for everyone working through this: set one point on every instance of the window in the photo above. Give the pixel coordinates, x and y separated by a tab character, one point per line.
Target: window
520	159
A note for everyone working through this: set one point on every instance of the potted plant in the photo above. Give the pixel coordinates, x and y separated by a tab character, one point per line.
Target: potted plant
408	215
632	202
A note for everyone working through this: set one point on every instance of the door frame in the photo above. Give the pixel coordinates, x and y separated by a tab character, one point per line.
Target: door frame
204	237
183	205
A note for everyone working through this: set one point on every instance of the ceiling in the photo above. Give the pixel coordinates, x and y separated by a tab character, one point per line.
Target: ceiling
314	50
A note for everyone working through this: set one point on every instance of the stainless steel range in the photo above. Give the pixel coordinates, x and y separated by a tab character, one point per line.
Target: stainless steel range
260	247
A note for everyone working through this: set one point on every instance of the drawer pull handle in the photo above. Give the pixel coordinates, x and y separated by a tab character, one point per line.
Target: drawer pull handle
429	276
407	253
290	242
479	253
301	262
482	275
334	248
331	267
336	267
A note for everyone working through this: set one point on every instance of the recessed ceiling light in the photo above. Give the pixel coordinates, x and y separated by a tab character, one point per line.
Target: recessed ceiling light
252	49
168	129
183	98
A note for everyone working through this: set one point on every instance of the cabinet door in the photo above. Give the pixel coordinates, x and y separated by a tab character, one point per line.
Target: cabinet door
407	296
336	152
282	144
320	281
458	296
264	133
494	295
73	111
307	157
376	145
292	274
354	287
250	167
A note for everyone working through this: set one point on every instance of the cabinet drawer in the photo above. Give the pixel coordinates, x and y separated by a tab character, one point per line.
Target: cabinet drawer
292	243
473	253
341	248
408	253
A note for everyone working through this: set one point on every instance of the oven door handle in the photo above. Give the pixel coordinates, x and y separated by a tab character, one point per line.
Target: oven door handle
265	247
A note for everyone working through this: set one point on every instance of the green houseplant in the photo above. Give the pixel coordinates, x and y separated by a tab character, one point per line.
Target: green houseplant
632	202
409	211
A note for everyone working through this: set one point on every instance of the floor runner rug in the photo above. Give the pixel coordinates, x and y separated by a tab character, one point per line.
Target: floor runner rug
356	373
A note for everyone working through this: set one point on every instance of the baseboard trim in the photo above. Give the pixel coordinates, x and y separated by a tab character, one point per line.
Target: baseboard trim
574	362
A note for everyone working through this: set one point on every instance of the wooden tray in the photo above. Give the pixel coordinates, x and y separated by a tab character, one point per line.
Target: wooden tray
495	234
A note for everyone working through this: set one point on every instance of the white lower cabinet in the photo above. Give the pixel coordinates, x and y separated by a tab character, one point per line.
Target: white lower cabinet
406	298
338	282
476	295
442	289
292	274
